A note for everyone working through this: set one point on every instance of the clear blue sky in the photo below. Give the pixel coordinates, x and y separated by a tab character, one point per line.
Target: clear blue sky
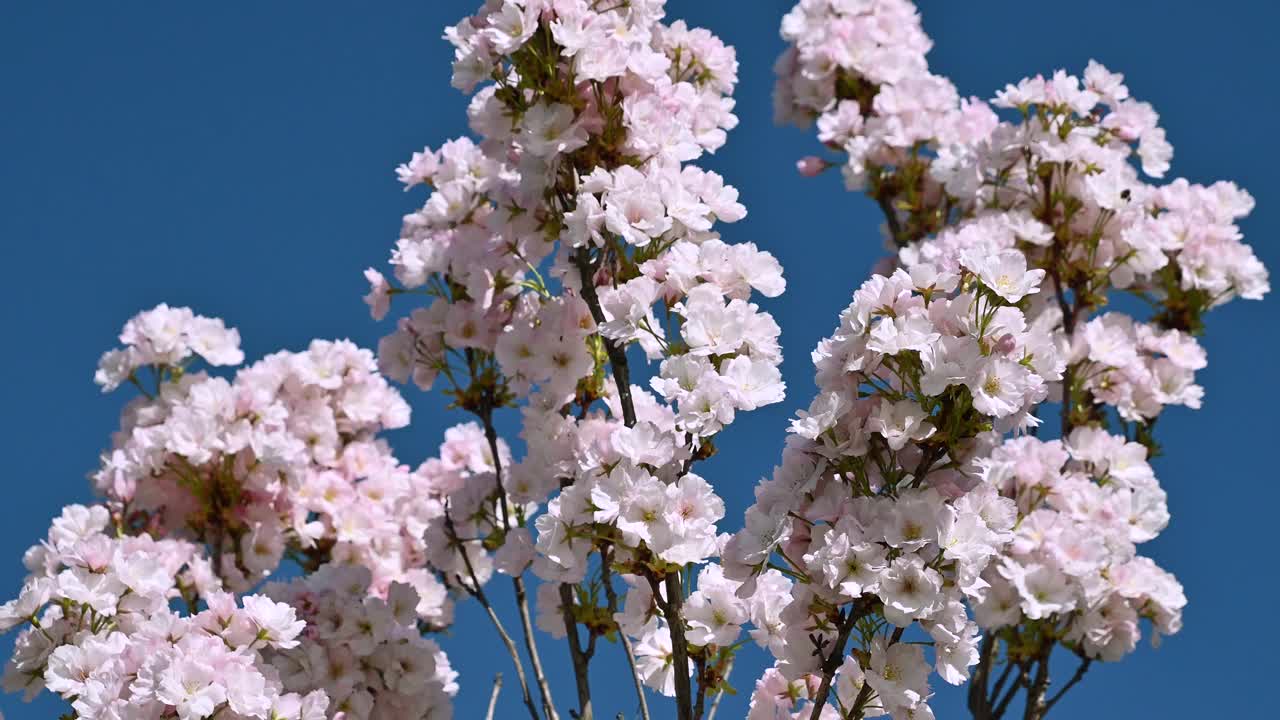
238	158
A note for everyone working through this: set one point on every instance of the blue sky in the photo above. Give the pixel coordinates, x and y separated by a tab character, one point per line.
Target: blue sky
238	158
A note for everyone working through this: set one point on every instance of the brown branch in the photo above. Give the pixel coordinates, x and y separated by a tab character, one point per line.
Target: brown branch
1075	679
580	658
1023	672
1035	709
832	662
699	705
617	355
679	646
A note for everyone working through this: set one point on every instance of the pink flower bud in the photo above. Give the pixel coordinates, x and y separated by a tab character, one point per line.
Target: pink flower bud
811	165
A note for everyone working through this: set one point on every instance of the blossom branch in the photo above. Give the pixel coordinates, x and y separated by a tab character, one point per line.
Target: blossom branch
864	695
617	355
832	662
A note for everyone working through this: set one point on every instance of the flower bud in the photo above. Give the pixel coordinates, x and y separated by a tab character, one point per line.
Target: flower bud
810	165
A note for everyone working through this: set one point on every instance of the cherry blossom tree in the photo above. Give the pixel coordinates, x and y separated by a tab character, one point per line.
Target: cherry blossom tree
1022	231
576	228
260	552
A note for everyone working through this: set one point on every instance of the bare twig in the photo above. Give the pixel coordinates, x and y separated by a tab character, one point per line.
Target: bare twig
1076	678
493	696
612	595
477	591
1035	709
517	582
531	646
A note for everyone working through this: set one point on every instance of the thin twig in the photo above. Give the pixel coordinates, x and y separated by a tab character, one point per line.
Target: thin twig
477	592
1023	674
493	696
531	646
612	595
715	702
1076	678
517	582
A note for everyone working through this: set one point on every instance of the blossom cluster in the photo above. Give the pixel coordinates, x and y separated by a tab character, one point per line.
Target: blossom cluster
1083	506
210	486
98	631
871	509
859	70
365	653
282	459
1058	183
462	482
1137	368
1062	182
166	337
